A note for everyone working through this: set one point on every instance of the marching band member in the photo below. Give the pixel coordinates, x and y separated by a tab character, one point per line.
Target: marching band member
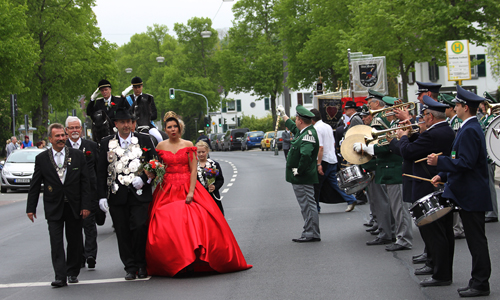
466	175
438	235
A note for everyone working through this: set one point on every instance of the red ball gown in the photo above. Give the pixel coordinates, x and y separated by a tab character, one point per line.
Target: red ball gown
181	235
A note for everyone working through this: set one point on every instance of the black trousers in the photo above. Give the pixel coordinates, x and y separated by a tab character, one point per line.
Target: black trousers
440	242
90	234
478	247
130	222
70	265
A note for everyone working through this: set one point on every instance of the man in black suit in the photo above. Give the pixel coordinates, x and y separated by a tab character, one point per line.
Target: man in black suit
66	199
90	151
108	103
438	235
127	191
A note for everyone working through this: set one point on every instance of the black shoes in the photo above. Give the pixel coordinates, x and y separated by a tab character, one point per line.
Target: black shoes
376	232
72	279
373	228
143	273
470	292
396	247
425	270
58	283
130	276
378	241
419	259
490	220
91	262
434	282
306	240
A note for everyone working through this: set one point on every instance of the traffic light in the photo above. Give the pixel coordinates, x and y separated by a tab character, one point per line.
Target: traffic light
171	92
207	122
220	122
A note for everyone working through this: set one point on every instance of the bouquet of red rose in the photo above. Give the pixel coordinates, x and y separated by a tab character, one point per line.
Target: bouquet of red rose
210	174
156	167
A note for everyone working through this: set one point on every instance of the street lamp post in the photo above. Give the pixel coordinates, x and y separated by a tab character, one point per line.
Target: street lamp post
128	70
195	126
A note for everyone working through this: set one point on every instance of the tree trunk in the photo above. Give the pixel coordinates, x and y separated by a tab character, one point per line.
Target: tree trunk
404	76
273	106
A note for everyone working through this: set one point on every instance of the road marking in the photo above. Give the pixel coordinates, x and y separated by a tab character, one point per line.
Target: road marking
235	175
229	184
95	281
233	179
225	191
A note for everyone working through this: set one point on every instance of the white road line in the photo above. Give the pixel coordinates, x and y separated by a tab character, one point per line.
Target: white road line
95	281
234	175
229	184
233	179
235	172
225	191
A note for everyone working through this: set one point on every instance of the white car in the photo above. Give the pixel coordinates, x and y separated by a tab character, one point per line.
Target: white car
18	169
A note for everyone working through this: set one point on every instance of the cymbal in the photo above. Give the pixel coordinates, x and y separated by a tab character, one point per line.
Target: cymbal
359	129
347	151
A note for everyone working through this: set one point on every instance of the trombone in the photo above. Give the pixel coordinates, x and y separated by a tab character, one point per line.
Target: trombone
492	108
380	137
388	111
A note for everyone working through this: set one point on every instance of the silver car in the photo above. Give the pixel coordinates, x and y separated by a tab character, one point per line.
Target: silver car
18	169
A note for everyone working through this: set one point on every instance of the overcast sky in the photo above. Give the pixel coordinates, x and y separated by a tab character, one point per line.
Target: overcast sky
120	19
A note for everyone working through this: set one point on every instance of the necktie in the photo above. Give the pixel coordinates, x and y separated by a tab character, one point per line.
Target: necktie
125	144
59	159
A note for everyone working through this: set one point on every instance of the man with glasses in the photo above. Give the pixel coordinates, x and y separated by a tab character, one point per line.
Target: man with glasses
91	153
437	236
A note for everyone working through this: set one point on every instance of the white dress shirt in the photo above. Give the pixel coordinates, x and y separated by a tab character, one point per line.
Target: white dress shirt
56	159
327	141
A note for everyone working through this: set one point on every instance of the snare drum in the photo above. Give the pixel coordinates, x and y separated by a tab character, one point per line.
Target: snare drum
353	179
430	208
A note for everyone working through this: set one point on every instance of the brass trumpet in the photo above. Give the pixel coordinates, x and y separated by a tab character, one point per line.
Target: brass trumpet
381	136
492	108
388	111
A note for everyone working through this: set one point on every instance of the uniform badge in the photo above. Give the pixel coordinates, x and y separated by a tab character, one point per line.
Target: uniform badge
50	188
453	154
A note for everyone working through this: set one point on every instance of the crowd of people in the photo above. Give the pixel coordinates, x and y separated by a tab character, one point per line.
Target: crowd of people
179	207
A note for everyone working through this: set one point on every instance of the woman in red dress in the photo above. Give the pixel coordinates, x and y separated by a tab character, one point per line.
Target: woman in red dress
187	231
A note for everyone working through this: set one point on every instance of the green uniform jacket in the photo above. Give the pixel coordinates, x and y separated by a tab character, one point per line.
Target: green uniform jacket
388	166
303	155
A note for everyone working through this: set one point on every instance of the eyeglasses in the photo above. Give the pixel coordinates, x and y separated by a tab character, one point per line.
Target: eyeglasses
74	127
425	114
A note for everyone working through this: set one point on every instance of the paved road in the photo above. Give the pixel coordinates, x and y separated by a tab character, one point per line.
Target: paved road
264	216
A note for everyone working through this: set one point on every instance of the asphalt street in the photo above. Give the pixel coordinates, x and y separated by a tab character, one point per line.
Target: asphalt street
264	216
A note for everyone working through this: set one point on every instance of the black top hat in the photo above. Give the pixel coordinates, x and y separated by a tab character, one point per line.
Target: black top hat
469	98
427	87
104	83
136	81
432	104
350	104
122	113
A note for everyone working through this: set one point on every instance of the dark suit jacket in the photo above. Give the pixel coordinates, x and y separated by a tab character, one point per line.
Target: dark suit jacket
467	173
151	101
99	104
91	153
120	197
437	139
76	186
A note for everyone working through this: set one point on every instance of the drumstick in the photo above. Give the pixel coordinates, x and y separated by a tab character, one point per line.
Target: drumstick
425	158
421	178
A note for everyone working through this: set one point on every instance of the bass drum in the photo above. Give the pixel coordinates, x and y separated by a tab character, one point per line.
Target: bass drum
492	137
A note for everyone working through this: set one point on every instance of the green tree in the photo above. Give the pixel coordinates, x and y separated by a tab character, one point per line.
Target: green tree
73	57
253	59
494	53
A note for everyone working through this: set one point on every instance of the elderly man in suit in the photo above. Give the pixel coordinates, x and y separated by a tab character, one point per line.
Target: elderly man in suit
465	172
126	190
66	200
90	151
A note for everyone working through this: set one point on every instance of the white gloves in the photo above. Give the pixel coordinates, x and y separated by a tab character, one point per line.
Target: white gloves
280	110
358	147
295	171
103	205
127	90
137	183
94	95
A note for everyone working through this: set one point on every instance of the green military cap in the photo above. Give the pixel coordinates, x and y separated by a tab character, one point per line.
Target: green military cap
374	94
303	112
489	97
389	100
447	99
364	111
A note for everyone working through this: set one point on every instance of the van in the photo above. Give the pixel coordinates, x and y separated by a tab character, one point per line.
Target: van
232	138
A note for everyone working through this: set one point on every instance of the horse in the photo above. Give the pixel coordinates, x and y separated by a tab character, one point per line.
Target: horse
141	109
101	126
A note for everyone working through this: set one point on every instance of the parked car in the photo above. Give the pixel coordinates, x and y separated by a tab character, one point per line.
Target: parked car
266	140
279	140
232	138
251	140
220	143
211	136
18	169
215	141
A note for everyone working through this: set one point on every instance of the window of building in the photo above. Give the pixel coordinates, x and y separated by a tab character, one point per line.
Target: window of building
308	98
433	71
266	103
480	69
238	105
411	78
231	105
